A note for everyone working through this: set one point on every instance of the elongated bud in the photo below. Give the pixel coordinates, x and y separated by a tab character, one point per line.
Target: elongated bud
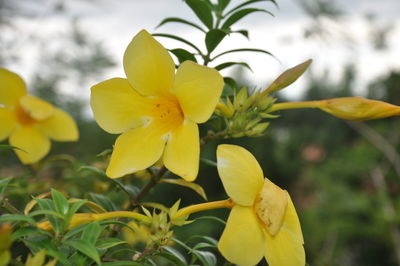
288	77
358	108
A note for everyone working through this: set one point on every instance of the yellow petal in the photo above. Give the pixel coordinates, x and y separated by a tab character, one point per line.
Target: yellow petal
148	66
198	89
270	206
60	126
12	87
242	241
240	173
7	124
286	248
183	151
33	144
116	105
136	150
36	107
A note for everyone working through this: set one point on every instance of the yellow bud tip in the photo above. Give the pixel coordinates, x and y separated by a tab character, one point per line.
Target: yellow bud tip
359	108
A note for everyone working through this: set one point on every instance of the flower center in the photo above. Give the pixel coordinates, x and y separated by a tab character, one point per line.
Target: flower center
23	117
270	206
167	112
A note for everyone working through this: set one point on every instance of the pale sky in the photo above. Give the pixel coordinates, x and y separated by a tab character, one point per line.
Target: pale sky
116	22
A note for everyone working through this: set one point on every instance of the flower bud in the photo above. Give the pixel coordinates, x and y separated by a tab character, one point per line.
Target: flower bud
358	108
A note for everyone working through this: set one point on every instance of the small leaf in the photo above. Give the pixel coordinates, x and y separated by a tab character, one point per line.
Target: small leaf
183	55
208	162
27	231
46	212
93	170
103	201
47	204
181	182
202	11
222	4
109	242
289	76
3	185
235	17
206	257
211	218
122	263
173	255
214	38
16	218
84	247
245	33
180	20
248	3
60	202
91	232
170	36
229	64
242	50
4	147
230	86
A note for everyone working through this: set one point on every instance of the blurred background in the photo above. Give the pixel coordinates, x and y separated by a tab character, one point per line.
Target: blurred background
344	177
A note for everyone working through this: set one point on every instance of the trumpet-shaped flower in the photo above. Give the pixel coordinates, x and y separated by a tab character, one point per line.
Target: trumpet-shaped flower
263	221
30	122
155	109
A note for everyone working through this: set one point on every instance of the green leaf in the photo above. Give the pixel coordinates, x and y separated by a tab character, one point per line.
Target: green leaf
206	257
93	170
28	231
211	218
203	11
222	4
183	55
60	202
214	38
180	20
242	50
91	232
229	64
230	86
170	36
181	182
5	147
241	14
203	245
73	209
16	218
210	240
289	76
84	247
103	201
109	242
245	33
173	255
248	3
208	162
47	204
46	212
122	263
3	185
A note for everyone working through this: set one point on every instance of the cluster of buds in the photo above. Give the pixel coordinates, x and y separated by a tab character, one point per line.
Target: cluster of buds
159	233
245	115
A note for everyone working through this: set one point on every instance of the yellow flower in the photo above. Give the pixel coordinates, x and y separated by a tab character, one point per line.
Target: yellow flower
30	122
263	220
155	109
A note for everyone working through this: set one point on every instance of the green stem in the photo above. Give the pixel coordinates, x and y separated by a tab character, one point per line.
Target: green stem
296	105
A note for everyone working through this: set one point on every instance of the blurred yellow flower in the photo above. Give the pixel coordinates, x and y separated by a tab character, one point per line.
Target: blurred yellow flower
30	122
155	109
263	220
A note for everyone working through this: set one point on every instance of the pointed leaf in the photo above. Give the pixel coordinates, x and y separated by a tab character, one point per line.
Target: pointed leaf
170	36
248	3
60	202
242	50
109	242
173	255
91	232
84	247
16	218
183	55
103	201
241	14
245	33
222	4
213	38
181	182
202	11
180	20
229	64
